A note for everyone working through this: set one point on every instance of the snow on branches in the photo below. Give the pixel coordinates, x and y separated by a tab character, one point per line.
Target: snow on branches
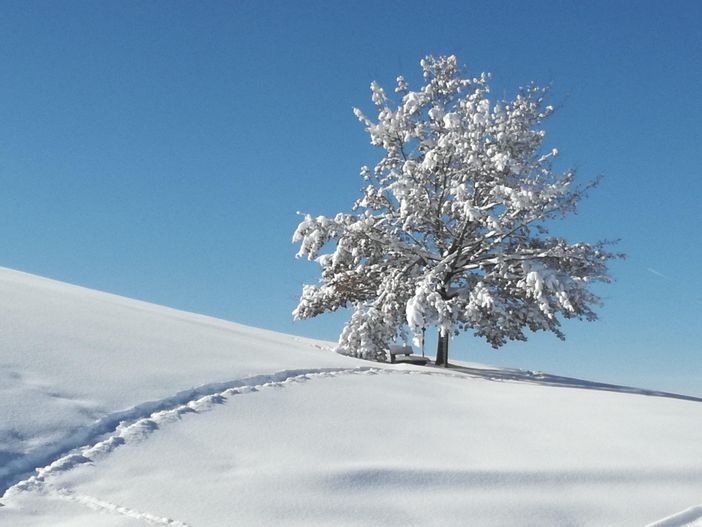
450	230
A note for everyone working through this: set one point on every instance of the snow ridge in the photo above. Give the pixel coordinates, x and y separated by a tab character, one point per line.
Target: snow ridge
548	379
691	517
118	428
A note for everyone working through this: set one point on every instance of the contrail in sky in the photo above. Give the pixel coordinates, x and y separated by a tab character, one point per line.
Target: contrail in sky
657	273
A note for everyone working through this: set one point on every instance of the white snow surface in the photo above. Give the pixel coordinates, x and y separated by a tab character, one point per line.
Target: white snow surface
115	412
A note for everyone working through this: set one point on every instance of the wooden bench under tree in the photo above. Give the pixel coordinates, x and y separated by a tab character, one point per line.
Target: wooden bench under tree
405	354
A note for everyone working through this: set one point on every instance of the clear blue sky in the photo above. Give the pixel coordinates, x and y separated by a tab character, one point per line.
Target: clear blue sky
160	150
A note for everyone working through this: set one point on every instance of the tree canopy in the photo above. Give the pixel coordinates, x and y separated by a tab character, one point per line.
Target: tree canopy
451	229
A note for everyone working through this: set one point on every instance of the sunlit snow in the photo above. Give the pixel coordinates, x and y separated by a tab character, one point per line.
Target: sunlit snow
116	412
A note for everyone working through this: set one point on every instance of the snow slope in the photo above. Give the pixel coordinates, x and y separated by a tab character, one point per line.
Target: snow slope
72	359
120	413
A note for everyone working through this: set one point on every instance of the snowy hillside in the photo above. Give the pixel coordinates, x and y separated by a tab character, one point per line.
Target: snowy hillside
115	412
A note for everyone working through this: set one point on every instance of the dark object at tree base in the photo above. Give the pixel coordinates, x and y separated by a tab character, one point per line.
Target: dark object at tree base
406	355
413	359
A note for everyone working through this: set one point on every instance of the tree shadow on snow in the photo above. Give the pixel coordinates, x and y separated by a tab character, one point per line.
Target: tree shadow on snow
547	379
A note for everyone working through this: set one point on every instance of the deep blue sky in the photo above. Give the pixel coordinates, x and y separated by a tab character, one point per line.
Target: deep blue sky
160	150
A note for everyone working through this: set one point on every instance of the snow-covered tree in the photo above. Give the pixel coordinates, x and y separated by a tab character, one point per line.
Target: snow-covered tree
450	230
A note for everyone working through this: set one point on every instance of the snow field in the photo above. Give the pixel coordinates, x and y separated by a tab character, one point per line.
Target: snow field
115	412
353	448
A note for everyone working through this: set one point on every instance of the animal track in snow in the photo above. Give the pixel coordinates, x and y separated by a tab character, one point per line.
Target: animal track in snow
137	427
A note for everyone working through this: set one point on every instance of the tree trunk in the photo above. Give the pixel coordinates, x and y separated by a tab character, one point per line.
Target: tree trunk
442	349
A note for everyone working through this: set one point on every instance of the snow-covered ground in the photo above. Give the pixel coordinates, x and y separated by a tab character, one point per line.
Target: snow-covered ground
115	412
